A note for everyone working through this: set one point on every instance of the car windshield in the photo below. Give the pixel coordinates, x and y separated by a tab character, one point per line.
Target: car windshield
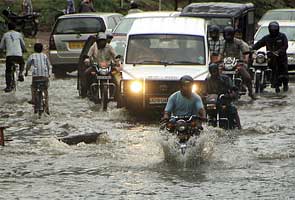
118	46
288	30
79	25
124	26
166	49
221	22
279	15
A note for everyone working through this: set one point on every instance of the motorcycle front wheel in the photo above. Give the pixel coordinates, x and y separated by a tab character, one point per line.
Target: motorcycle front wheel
104	97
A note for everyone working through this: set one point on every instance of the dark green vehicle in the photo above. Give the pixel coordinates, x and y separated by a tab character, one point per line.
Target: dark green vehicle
238	15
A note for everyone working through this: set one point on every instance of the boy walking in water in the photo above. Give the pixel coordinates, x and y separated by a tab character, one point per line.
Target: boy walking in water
40	71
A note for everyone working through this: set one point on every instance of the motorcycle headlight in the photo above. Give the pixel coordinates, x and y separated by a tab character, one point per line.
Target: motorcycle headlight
104	71
260	59
181	128
136	86
195	88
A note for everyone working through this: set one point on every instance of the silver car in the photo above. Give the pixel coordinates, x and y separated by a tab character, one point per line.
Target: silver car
70	33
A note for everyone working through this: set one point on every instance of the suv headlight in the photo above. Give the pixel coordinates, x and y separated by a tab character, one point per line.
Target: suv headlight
136	86
260	59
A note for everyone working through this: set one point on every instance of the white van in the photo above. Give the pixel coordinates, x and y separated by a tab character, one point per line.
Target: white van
159	52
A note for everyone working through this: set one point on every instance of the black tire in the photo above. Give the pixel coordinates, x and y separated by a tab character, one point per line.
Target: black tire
94	94
58	73
81	89
30	29
257	83
104	97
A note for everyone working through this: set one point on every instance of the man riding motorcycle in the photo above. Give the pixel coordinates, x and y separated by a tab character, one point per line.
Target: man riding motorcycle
276	44
184	102
222	84
236	48
216	44
103	54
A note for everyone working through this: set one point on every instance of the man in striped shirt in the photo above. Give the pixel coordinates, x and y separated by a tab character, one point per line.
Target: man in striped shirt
13	43
40	71
216	44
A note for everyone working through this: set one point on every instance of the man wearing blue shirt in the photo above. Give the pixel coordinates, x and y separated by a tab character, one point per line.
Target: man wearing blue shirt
184	103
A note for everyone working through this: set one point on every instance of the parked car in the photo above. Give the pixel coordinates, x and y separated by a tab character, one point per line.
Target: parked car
238	15
69	35
277	15
122	29
159	51
285	27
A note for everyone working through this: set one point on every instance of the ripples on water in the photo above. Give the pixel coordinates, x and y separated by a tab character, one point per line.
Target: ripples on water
134	161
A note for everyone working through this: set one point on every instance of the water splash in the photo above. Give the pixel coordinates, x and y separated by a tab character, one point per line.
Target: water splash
200	148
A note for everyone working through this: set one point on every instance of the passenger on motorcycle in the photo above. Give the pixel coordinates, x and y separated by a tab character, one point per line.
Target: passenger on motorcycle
216	44
40	72
276	44
236	48
104	55
184	102
222	84
13	43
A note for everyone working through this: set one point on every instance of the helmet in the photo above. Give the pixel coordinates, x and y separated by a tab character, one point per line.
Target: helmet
214	31
109	35
228	33
186	79
101	36
274	28
213	67
133	5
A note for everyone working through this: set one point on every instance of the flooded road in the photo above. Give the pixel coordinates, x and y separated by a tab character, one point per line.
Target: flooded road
129	162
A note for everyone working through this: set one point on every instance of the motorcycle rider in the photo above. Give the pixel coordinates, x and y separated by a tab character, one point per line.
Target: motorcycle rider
237	48
134	8
221	84
27	7
276	44
103	54
184	102
13	43
216	44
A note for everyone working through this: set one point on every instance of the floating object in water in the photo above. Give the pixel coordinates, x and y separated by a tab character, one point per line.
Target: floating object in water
87	138
2	135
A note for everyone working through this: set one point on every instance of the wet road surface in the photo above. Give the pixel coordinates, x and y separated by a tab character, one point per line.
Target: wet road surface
129	162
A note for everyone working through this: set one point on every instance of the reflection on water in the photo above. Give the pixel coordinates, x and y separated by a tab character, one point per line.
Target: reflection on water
134	161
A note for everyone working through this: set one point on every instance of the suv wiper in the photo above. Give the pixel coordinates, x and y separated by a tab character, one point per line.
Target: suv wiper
186	62
144	62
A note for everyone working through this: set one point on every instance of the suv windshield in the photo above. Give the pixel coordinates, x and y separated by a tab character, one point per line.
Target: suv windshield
124	26
279	15
166	49
79	25
288	30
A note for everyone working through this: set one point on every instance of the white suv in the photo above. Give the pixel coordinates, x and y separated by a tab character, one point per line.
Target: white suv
159	51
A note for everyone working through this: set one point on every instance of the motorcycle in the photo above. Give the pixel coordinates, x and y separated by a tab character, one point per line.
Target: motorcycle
183	128
27	24
262	73
230	68
102	89
218	112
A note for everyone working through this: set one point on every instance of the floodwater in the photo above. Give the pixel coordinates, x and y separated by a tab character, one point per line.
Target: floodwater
129	161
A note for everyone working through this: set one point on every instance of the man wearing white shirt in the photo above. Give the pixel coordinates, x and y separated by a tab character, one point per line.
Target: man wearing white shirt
13	43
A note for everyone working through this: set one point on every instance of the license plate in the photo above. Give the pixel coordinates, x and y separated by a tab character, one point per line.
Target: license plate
229	72
104	77
158	100
76	45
